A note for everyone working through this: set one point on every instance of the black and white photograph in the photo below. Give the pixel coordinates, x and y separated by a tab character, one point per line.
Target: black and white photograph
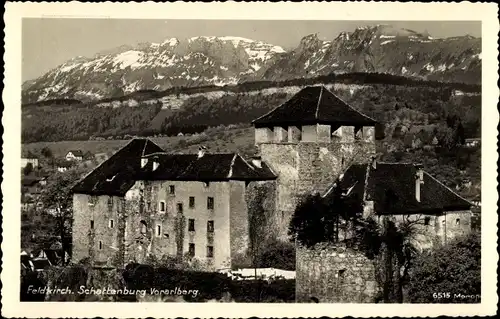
290	161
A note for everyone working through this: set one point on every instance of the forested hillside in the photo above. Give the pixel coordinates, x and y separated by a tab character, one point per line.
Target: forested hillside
405	103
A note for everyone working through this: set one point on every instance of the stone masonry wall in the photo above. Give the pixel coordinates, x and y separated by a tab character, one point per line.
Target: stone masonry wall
139	230
430	230
176	236
334	274
307	167
284	159
321	163
102	242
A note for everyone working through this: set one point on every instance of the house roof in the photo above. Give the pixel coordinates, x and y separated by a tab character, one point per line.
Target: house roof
119	173
391	186
78	153
312	105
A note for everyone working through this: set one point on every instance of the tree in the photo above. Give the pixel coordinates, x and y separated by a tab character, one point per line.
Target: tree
307	225
28	169
325	219
57	196
47	152
454	268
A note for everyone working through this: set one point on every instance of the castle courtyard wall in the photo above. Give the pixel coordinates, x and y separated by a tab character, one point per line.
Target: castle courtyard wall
334	274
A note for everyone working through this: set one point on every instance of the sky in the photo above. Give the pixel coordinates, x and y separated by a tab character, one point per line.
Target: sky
49	42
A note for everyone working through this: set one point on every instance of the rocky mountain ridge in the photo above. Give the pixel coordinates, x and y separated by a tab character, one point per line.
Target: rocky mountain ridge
228	60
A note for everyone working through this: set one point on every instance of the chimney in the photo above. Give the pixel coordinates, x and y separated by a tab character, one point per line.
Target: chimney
374	162
419	180
144	161
257	161
201	151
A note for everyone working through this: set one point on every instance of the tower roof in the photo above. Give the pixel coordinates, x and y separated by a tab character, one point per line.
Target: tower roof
314	105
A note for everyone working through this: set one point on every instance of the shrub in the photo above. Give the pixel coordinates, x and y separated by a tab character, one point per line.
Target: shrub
454	269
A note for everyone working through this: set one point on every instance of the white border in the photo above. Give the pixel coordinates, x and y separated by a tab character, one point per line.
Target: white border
487	13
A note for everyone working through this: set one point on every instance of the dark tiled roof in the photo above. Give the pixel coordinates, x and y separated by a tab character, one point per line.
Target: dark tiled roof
116	175
209	167
311	105
392	188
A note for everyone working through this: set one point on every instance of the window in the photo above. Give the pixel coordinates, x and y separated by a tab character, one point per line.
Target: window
210	203
162	206
158	230
191	202
206	184
111	223
110	202
179	208
144	227
210	226
457	222
210	251
171	190
427	220
100	245
191	225
91	224
191	250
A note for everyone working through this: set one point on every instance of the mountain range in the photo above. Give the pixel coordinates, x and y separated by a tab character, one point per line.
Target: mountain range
230	60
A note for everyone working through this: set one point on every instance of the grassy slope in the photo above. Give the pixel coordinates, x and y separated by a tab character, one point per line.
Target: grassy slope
221	139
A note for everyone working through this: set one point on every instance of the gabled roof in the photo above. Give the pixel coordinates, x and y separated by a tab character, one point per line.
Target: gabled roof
119	173
391	186
312	105
121	167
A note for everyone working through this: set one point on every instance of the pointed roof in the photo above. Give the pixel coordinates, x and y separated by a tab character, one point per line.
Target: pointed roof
391	186
314	105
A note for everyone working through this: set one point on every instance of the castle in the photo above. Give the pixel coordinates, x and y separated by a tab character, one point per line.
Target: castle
144	201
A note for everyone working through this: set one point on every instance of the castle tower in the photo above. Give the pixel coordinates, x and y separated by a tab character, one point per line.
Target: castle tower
308	141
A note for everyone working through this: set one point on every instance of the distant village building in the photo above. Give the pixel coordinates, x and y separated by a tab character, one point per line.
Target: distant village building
74	155
472	142
32	160
63	166
144	202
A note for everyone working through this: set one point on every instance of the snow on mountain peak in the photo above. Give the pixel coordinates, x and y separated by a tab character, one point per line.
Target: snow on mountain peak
171	42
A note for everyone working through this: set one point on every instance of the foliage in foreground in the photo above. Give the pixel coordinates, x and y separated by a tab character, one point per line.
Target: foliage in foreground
442	275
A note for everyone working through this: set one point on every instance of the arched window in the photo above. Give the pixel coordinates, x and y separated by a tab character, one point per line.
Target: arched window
144	227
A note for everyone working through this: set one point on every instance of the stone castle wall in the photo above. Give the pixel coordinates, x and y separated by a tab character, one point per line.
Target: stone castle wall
307	167
334	274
